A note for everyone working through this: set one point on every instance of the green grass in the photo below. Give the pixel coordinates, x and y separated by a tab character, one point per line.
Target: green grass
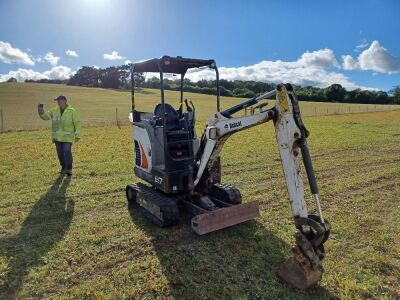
18	101
78	239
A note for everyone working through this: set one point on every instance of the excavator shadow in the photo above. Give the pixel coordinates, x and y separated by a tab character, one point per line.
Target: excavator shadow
236	262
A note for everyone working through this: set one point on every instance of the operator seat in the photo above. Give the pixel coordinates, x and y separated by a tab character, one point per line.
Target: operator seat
172	116
176	131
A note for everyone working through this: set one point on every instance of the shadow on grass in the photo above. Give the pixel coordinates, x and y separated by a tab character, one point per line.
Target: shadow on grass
237	262
42	229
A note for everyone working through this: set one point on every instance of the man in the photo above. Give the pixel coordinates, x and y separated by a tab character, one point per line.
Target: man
65	129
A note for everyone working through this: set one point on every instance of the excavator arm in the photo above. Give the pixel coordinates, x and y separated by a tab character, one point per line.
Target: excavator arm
304	266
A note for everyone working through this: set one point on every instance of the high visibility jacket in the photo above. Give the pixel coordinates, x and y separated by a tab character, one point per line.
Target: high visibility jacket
65	127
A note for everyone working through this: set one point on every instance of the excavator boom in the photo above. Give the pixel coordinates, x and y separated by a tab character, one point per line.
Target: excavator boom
304	267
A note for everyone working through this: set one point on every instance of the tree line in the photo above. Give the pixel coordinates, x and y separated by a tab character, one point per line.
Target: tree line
118	77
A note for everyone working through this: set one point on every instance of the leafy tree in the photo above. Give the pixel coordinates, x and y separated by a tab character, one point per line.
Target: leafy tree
335	93
110	78
381	97
396	94
153	82
364	97
53	81
227	85
86	76
12	79
119	78
202	83
223	91
245	93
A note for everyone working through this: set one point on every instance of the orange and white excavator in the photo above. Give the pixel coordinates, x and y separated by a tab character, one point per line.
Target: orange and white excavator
183	173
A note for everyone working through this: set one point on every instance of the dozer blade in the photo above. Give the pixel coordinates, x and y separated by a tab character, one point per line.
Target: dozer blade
225	217
297	271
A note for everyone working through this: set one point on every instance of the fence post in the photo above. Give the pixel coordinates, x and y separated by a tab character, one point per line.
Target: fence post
2	122
116	117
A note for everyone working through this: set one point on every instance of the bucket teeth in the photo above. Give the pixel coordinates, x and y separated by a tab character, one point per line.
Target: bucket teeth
225	217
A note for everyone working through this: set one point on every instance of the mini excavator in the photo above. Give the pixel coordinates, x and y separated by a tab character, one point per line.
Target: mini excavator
183	173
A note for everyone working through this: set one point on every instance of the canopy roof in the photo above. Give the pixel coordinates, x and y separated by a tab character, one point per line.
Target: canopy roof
175	65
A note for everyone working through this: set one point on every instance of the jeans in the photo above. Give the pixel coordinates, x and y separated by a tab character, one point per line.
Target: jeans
64	154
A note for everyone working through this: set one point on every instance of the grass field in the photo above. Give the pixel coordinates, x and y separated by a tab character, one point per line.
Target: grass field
76	238
18	101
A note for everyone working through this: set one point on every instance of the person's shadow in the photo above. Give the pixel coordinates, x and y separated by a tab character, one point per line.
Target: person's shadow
43	228
239	262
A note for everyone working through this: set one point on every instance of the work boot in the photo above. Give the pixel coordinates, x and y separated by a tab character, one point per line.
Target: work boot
68	172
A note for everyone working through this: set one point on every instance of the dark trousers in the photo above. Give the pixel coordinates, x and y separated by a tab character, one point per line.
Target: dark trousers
64	154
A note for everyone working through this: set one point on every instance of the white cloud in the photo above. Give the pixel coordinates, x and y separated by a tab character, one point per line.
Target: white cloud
51	58
10	55
21	75
375	58
112	56
127	62
362	45
71	53
323	58
349	63
309	69
58	72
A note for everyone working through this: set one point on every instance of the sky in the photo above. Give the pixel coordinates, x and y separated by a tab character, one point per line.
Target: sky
318	43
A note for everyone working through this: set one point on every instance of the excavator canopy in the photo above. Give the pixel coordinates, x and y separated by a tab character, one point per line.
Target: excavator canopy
175	65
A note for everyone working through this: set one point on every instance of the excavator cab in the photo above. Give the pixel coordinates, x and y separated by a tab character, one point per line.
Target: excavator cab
165	140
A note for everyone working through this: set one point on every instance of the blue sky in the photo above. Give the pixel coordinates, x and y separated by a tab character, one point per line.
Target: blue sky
355	43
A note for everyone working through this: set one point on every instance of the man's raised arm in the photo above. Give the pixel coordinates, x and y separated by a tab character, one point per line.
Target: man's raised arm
44	115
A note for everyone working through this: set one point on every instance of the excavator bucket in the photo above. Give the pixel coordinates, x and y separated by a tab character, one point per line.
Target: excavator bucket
297	271
225	217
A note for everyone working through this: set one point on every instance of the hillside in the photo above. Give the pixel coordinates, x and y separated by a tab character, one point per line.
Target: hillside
96	106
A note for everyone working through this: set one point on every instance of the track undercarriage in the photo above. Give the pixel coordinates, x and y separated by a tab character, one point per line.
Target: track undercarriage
218	209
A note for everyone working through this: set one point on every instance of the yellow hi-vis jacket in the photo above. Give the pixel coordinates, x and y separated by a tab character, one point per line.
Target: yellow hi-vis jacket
65	127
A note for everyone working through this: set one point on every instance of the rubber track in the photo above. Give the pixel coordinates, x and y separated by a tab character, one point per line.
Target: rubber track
227	193
169	209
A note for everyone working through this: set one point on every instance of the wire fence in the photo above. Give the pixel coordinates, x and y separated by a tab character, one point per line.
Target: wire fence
119	118
344	109
33	122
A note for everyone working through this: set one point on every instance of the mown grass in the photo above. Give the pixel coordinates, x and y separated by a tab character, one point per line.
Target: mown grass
78	239
96	106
